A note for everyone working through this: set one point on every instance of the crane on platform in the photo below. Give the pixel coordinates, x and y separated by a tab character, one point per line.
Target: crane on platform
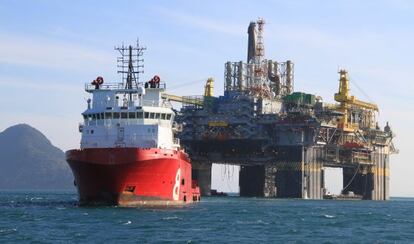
350	106
209	88
183	99
208	92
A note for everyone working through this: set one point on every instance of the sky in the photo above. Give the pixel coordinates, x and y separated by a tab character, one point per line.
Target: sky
50	49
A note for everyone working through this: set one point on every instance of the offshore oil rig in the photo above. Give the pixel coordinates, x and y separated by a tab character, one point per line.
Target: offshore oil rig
284	140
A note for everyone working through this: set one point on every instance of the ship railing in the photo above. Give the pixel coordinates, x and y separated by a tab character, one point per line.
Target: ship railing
127	105
176	141
121	86
152	103
106	86
161	85
112	122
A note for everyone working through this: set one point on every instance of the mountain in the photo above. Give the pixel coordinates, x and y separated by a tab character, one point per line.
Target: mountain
28	160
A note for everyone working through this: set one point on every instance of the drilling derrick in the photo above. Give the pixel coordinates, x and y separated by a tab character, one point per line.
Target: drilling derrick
260	50
259	77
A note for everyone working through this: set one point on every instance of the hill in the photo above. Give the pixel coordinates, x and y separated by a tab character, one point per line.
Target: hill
28	160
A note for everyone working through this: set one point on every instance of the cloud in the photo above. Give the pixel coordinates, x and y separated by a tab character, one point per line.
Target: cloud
48	86
308	36
220	27
389	80
44	53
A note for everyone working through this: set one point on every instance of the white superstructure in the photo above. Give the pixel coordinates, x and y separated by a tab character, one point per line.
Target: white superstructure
136	116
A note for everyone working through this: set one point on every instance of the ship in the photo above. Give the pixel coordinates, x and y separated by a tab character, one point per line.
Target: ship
128	153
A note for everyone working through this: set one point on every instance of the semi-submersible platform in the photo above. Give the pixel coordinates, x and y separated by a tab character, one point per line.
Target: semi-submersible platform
284	140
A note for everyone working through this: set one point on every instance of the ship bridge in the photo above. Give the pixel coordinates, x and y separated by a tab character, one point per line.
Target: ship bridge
128	114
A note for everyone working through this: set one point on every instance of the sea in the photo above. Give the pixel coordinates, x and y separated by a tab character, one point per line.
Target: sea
55	217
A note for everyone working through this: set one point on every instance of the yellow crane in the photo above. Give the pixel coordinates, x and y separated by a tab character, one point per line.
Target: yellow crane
183	99
349	104
209	88
208	92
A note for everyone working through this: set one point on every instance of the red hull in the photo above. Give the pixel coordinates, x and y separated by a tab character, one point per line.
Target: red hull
133	176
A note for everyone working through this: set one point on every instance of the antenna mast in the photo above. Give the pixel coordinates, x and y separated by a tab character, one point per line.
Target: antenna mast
130	64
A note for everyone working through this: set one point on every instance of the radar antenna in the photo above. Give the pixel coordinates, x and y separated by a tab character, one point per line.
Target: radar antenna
130	64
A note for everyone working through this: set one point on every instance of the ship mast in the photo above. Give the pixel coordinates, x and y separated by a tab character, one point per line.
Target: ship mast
131	74
130	65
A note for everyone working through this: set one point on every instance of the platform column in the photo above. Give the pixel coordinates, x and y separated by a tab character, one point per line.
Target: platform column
387	178
269	188
251	181
312	173
289	180
290	175
359	180
380	174
202	173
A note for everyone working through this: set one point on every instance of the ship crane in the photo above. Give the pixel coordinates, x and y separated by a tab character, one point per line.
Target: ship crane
349	104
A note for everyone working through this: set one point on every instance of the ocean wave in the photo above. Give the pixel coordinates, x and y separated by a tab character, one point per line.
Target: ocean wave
252	222
36	198
8	231
128	222
170	218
